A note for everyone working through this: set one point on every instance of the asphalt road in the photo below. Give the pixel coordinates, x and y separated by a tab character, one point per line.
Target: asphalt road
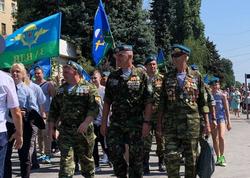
237	153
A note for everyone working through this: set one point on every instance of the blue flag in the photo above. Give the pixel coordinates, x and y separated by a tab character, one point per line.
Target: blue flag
45	65
85	75
102	37
32	42
160	57
206	79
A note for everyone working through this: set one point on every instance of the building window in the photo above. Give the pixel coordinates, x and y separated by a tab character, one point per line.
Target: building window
14	28
3	28
1	5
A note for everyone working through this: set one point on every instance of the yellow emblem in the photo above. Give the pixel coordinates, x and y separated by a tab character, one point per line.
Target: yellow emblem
98	100
176	50
30	35
99	43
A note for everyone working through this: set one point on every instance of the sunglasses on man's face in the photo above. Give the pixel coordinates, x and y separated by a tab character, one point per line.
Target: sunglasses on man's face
176	55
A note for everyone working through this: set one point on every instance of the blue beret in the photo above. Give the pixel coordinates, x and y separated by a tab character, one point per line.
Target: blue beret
213	80
149	59
75	66
177	48
123	47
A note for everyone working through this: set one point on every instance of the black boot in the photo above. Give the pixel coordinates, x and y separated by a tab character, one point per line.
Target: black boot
160	164
146	163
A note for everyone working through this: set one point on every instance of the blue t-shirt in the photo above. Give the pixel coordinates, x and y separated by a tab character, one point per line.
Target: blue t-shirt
181	78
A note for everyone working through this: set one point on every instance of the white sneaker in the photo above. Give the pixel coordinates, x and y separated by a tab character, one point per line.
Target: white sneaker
104	159
98	169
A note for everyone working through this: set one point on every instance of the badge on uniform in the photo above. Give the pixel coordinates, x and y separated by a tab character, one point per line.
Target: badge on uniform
158	83
134	82
98	100
85	89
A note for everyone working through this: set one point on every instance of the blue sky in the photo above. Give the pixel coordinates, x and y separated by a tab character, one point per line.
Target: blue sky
227	24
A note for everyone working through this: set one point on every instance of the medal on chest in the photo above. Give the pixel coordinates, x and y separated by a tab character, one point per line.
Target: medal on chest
190	90
134	82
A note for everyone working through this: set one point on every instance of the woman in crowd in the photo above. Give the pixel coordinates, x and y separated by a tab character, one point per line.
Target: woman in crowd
221	122
235	102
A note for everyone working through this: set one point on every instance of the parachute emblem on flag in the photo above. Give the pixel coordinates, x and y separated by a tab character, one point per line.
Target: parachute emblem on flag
101	41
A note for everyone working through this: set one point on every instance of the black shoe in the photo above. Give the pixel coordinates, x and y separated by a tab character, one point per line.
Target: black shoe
146	171
77	170
110	164
35	166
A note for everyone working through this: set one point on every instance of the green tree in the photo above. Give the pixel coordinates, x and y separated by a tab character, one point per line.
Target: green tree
227	72
199	53
162	17
217	66
188	23
213	57
131	25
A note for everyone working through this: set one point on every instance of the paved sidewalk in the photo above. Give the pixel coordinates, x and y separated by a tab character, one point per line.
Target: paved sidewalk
237	153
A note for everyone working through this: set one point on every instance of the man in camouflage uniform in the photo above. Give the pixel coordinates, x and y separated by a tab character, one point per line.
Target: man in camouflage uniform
128	92
183	96
72	110
155	78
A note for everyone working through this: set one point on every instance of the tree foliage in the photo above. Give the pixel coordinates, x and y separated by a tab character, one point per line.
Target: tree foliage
130	24
187	22
220	67
199	53
162	17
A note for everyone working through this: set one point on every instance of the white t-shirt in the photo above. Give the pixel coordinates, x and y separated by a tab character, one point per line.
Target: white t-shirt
8	98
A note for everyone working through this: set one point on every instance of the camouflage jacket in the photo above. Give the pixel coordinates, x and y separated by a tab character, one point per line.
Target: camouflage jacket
156	83
72	108
128	97
183	106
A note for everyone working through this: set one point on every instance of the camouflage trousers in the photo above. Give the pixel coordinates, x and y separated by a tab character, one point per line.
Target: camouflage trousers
174	147
70	142
117	138
159	141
